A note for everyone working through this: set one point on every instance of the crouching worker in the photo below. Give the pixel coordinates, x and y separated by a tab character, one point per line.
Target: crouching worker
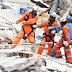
48	35
64	42
28	20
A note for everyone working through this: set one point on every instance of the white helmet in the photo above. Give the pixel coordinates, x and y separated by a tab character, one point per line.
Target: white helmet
53	14
62	20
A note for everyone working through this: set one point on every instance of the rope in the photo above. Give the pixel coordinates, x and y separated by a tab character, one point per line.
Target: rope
8	46
25	44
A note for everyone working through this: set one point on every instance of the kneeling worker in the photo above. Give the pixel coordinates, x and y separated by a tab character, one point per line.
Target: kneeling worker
64	42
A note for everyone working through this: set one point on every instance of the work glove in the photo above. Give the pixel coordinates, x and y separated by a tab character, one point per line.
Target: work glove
65	43
60	33
53	32
34	26
50	28
24	22
21	23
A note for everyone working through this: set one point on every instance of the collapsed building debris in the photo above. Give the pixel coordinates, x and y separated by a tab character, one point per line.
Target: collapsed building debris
21	58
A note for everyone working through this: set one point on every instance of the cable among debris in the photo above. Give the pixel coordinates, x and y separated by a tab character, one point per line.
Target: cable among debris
26	44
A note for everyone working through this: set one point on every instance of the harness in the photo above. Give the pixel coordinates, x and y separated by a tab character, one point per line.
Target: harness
33	15
49	24
48	36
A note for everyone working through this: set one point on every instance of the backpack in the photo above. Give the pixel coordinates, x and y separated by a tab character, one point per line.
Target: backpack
70	26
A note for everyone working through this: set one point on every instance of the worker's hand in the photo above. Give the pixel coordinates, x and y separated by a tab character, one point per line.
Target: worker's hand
50	28
21	23
34	26
60	33
53	32
39	25
24	22
65	43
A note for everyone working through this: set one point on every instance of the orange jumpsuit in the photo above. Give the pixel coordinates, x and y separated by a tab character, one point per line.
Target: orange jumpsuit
28	19
66	37
47	37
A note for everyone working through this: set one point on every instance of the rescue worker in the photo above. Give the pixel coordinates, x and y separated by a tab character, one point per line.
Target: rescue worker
28	20
48	36
64	42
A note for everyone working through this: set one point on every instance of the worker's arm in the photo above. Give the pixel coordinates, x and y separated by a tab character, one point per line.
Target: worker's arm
31	21
22	18
43	24
66	32
58	28
55	29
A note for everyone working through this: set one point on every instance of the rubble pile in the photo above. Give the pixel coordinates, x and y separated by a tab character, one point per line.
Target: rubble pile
24	57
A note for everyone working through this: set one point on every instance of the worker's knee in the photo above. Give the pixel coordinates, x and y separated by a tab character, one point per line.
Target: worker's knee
31	38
